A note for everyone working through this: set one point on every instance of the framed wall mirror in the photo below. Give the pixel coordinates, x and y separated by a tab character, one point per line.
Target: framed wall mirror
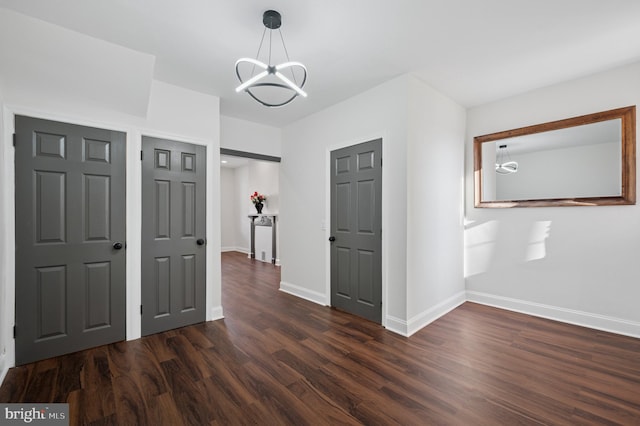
582	161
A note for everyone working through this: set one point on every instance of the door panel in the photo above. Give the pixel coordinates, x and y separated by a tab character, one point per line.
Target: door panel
50	207
96	199
356	206
366	199
70	209
161	283
189	280
98	281
52	302
342	262
366	272
173	261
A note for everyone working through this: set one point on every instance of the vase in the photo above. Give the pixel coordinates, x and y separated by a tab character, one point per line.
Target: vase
259	207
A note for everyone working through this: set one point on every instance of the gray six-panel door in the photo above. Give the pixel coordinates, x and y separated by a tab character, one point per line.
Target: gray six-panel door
173	234
70	230
356	226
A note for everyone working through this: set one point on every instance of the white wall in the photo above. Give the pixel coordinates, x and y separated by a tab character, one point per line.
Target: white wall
264	177
170	112
234	204
409	117
576	264
435	283
243	204
304	191
242	135
228	213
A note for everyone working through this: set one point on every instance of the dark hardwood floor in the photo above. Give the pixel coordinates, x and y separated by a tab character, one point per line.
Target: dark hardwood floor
276	359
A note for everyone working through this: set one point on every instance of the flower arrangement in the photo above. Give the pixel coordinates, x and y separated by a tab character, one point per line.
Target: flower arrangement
257	198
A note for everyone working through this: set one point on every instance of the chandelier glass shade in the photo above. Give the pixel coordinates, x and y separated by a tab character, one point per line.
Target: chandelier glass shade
271	85
505	167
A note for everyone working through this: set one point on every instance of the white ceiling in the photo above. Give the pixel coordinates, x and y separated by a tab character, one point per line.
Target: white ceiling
233	162
473	51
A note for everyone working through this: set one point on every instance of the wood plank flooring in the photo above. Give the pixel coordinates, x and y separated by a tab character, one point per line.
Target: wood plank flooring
278	360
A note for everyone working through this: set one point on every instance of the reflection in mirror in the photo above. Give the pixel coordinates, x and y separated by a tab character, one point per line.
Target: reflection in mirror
587	160
582	161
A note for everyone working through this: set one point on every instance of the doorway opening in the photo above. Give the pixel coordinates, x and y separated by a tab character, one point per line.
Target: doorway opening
243	229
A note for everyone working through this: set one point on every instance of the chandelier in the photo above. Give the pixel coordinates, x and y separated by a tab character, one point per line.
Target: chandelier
505	167
271	85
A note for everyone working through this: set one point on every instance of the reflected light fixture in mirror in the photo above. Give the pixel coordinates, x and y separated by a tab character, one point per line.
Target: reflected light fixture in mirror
581	161
505	167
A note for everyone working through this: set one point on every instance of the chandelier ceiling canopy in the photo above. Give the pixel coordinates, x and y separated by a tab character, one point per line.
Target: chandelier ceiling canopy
269	84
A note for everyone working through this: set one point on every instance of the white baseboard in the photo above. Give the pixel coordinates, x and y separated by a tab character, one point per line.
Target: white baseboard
425	318
397	325
216	313
416	323
303	293
570	316
238	249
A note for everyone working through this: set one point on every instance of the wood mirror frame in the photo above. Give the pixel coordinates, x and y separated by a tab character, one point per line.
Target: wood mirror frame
628	163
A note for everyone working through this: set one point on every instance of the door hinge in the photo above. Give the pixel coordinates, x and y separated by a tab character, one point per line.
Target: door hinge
14	332
140	309
15	137
380	162
141	155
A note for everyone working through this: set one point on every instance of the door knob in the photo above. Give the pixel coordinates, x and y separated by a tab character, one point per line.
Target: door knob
332	238
200	241
117	245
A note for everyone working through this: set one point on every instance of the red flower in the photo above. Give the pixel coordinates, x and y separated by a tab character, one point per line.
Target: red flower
257	198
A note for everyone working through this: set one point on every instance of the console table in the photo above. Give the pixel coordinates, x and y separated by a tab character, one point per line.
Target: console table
263	220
